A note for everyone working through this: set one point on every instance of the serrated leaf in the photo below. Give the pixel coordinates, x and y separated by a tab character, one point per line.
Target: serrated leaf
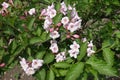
102	67
35	40
40	54
49	57
106	43
62	65
108	56
51	75
63	72
83	50
117	34
75	71
42	74
30	24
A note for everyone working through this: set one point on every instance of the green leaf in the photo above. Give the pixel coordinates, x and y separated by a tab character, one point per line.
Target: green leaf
83	50
62	65
51	75
117	34
35	40
84	76
30	24
63	72
95	74
17	52
108	56
57	18
75	71
106	43
101	66
40	54
57	6
49	57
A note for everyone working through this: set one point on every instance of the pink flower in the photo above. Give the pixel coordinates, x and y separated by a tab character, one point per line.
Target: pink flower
54	47
73	53
52	13
84	39
23	64
90	44
76	36
31	11
90	52
63	8
30	71
5	5
65	20
36	63
47	23
74	46
60	57
43	12
2	65
72	27
54	35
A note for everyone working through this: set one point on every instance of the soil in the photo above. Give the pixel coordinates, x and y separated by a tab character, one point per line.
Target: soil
16	74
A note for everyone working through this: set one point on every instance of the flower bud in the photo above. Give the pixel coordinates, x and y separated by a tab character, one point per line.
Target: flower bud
76	36
2	64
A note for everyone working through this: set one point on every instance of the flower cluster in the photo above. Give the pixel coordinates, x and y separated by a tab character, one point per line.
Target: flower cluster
60	57
74	49
70	25
90	50
4	8
30	67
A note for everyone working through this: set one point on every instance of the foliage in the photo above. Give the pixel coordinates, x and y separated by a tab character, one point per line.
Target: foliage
23	35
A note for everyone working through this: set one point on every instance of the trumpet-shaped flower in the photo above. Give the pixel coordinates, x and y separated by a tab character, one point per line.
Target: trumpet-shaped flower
54	47
5	5
31	11
36	63
60	57
54	34
65	20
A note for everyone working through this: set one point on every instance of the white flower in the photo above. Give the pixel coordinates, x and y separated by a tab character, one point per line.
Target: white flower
31	11
23	64
54	47
90	52
60	57
54	35
72	27
69	7
90	44
84	40
47	23
43	12
30	71
52	13
5	5
65	20
63	8
75	46
36	63
73	53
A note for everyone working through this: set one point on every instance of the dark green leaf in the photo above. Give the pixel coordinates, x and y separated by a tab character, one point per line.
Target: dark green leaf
102	67
51	75
83	50
30	24
108	56
62	65
75	71
49	57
